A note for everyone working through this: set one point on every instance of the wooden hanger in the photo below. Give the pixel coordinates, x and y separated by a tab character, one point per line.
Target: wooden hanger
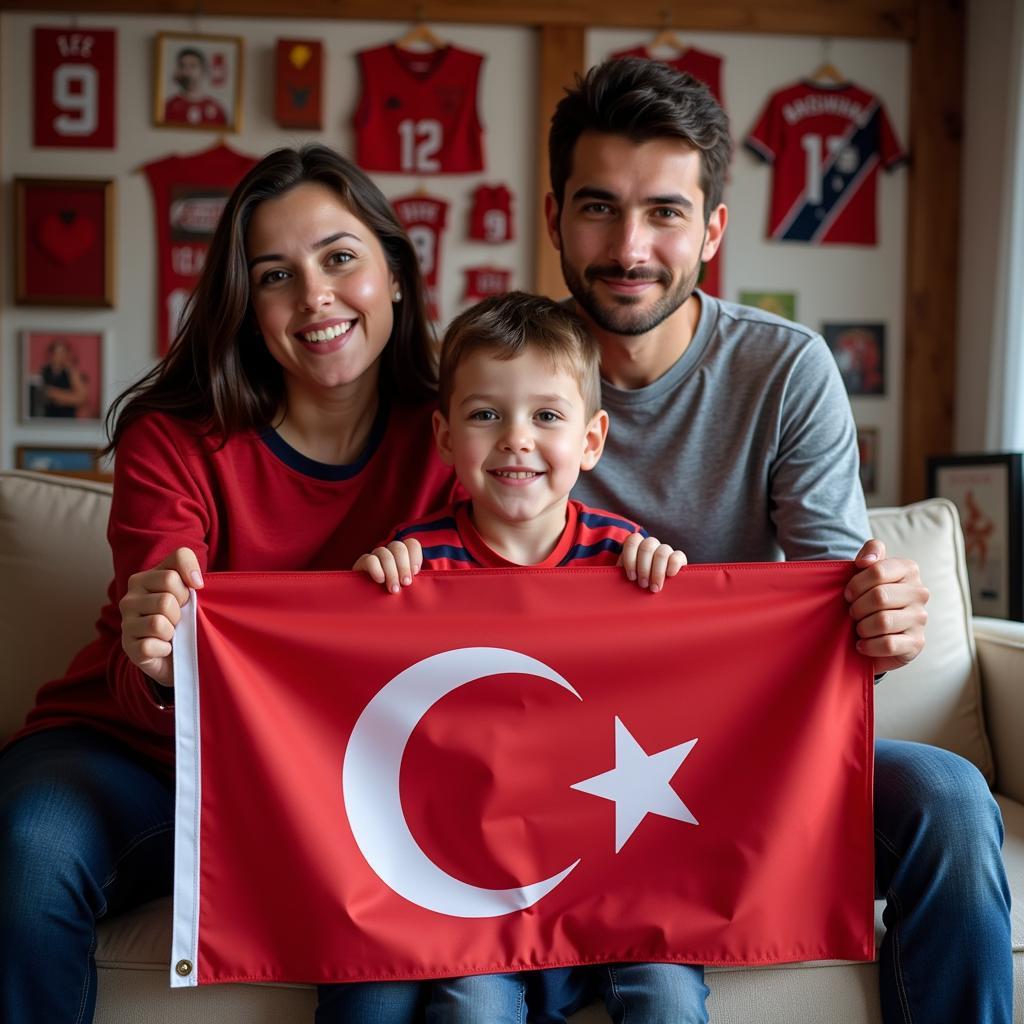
666	39
420	37
826	73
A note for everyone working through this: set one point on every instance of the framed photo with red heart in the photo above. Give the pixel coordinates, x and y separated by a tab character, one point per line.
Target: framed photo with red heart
64	242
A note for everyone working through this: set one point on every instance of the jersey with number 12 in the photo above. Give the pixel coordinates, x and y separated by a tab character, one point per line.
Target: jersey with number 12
826	144
417	112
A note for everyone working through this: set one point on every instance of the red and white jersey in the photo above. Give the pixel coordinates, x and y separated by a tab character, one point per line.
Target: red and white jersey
826	144
424	219
417	113
705	67
75	75
482	282
189	193
205	110
490	220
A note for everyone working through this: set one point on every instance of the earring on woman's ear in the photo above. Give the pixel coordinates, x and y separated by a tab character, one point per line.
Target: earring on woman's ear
398	297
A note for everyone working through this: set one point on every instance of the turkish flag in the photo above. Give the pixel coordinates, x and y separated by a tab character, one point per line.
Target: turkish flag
510	769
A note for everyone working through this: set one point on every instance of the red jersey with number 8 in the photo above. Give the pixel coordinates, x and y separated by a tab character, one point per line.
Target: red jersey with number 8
417	113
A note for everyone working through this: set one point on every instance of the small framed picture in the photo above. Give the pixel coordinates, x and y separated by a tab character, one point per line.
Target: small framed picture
62	376
986	490
867	447
66	460
197	82
780	303
860	352
64	242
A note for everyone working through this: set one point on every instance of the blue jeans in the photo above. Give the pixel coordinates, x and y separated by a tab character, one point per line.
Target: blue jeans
946	955
86	829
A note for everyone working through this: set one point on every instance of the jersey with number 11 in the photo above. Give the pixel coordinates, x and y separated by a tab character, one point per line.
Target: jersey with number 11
417	113
826	143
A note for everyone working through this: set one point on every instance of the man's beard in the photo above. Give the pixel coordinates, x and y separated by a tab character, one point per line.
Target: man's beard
623	318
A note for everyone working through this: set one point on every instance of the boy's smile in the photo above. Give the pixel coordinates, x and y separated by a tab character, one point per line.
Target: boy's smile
518	435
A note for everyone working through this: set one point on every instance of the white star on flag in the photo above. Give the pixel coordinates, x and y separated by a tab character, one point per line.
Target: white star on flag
638	785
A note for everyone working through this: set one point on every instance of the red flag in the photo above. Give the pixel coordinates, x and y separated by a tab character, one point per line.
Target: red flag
508	769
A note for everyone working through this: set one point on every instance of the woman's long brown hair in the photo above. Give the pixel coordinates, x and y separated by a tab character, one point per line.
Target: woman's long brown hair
218	373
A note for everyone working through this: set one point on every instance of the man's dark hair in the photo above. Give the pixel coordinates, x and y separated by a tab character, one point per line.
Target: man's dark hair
642	100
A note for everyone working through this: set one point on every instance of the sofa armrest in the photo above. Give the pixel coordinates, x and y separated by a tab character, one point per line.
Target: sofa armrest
1000	647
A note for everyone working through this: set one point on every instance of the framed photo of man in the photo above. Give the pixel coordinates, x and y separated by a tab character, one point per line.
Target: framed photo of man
987	491
62	376
197	82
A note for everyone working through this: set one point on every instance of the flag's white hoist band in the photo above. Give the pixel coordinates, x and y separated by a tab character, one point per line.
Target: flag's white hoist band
185	923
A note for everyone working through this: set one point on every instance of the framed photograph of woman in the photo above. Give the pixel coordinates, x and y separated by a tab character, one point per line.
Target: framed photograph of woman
988	491
197	82
62	376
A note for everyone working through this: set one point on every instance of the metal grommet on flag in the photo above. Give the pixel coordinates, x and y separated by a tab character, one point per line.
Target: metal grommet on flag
183	968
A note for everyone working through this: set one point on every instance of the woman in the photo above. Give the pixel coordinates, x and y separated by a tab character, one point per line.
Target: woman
288	427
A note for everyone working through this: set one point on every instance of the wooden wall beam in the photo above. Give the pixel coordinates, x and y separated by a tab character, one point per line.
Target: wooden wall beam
933	239
870	18
561	55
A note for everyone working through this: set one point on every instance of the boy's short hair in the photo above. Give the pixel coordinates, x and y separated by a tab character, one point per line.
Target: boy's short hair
507	325
643	100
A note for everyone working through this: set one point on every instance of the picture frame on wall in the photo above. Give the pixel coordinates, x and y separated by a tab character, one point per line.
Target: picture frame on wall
859	350
197	82
987	492
64	242
66	460
867	448
780	303
62	376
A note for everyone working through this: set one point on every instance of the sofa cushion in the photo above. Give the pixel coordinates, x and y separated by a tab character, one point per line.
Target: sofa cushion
55	565
937	698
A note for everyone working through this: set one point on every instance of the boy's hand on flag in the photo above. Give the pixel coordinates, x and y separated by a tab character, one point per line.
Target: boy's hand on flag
394	565
648	562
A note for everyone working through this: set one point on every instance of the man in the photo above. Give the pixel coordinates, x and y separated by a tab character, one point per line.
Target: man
732	439
192	106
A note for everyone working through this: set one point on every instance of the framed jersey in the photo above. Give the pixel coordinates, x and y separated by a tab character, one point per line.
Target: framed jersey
490	219
75	81
417	112
826	144
424	219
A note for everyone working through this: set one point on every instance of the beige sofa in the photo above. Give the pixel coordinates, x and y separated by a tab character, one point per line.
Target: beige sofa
966	692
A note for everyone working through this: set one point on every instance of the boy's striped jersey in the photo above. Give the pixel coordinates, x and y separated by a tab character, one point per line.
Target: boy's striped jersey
451	541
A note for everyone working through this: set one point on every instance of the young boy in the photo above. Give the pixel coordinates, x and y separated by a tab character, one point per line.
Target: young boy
519	419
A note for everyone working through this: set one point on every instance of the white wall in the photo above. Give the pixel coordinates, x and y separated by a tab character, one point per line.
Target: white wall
837	283
983	191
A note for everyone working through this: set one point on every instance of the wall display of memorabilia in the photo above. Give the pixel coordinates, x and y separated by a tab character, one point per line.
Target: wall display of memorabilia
706	67
490	218
482	282
867	448
58	459
64	241
62	376
987	491
417	112
860	352
197	82
424	219
299	84
780	303
189	193
74	85
826	143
